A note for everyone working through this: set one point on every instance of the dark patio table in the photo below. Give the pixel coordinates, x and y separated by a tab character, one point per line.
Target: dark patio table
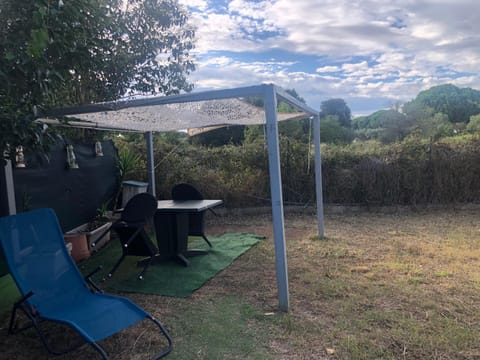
171	227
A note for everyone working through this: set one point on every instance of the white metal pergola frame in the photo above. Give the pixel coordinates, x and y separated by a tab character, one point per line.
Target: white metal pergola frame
271	94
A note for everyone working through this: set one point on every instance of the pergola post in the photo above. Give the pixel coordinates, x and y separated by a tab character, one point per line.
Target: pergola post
150	163
7	191
270	105
318	175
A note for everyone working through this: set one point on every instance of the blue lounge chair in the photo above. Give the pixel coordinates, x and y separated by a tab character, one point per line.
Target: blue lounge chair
53	288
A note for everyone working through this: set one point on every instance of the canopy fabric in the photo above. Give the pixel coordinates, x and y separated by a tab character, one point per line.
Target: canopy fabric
172	117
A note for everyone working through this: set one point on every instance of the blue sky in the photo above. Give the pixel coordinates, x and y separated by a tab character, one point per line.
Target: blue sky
371	53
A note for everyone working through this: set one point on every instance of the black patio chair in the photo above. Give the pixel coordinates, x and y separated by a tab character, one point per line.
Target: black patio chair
130	229
196	221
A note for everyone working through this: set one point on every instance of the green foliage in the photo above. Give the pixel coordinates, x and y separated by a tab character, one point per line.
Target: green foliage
474	124
127	162
300	130
436	127
415	171
284	107
130	161
384	125
331	131
412	172
254	133
379	119
55	54
458	104
436	113
237	174
233	134
339	108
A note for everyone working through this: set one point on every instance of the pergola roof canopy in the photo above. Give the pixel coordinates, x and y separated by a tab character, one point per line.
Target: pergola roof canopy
177	112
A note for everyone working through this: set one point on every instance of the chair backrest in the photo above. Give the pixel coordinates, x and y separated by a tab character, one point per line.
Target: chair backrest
139	208
38	259
133	218
186	192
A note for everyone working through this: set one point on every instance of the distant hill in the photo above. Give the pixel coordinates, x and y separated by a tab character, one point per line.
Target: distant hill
457	103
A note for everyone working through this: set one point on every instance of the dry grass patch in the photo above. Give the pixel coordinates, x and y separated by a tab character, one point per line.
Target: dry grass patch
380	286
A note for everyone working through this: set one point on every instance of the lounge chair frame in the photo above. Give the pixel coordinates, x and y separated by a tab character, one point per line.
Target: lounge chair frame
35	304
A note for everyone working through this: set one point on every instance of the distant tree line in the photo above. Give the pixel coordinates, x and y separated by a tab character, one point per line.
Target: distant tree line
441	111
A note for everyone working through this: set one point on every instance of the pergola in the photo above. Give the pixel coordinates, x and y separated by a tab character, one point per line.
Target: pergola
202	110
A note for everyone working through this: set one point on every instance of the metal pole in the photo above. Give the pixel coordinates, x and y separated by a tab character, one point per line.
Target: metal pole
7	190
277	199
318	176
150	163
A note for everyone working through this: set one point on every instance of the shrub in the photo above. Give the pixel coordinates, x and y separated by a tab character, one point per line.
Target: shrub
414	171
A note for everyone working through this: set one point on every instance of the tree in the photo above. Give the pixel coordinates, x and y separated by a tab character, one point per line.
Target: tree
339	108
57	53
331	131
474	124
458	104
296	128
385	125
286	108
436	127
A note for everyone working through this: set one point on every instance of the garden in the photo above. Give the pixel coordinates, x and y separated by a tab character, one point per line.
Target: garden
402	284
396	274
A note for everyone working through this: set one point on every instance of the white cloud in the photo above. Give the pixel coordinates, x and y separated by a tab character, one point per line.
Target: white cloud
352	68
254	10
327	69
201	5
363	48
427	31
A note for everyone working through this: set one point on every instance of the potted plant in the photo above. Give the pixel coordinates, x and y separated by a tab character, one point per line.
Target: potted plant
90	237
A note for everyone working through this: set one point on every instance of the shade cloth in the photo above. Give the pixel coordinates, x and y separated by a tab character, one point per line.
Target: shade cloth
171	117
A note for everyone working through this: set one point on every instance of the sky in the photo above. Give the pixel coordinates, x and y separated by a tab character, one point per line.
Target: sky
374	54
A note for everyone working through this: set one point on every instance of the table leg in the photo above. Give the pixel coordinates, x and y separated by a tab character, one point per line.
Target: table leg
182	220
172	237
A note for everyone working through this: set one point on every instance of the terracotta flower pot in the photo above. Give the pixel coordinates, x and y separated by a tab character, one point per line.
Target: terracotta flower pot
79	246
93	231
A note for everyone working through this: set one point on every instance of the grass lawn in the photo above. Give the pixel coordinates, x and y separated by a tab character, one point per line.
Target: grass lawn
380	286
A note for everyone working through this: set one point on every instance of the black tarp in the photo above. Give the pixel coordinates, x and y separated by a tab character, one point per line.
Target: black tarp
74	194
3	212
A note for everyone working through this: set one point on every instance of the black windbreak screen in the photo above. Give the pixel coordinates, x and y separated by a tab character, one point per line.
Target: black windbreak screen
74	194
